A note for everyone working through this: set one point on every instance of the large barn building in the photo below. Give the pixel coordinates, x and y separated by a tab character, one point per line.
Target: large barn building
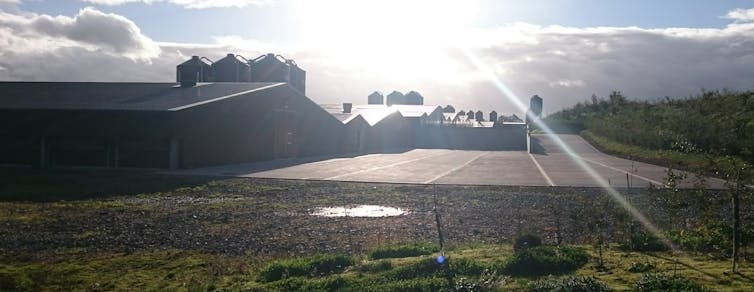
159	125
230	111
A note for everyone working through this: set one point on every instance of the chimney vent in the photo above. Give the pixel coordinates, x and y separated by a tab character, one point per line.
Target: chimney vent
347	107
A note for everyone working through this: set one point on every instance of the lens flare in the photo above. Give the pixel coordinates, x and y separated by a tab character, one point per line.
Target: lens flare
614	194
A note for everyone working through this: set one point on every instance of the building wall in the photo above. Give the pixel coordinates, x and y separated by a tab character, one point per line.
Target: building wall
502	138
47	138
275	123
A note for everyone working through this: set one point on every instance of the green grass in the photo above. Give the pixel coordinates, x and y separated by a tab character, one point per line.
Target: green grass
154	270
50	185
478	266
404	250
679	160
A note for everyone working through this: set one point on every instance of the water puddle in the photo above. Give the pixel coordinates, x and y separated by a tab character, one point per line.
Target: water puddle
359	211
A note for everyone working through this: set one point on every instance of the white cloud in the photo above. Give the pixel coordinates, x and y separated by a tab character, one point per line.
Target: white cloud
191	4
90	29
10	6
741	15
564	65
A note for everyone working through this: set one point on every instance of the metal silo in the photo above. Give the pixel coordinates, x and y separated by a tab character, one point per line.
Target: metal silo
376	98
270	68
396	97
413	97
493	116
479	116
297	77
230	69
192	71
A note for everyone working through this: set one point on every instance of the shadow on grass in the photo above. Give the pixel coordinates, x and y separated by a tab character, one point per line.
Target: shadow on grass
26	184
672	260
745	277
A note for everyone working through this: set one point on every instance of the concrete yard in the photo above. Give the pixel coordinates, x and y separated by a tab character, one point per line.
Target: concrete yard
549	165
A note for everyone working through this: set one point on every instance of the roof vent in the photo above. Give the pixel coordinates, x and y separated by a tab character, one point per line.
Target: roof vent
347	107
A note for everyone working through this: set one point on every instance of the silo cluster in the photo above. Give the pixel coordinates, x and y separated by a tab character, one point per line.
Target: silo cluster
236	68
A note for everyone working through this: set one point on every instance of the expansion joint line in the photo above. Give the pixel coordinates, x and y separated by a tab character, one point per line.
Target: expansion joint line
542	171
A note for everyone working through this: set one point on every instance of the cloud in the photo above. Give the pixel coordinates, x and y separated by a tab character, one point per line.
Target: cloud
741	15
191	4
564	65
10	6
90	29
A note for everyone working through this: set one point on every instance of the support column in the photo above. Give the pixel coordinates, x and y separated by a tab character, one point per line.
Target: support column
44	153
116	155
111	154
174	153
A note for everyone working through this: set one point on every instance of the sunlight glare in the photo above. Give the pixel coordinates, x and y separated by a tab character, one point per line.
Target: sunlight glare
612	192
404	40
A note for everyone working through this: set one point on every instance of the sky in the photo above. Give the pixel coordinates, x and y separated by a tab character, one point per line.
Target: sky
472	54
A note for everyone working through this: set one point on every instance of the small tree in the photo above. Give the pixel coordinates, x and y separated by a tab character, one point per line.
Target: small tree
735	178
673	195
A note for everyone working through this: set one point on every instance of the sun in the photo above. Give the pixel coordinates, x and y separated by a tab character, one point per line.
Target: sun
406	38
399	20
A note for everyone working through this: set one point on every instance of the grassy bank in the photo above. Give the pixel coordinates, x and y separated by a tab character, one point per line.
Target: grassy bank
467	266
693	162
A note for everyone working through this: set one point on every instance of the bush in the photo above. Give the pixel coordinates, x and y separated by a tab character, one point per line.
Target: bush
713	238
429	267
405	250
423	284
641	267
526	241
645	242
331	283
376	267
660	282
316	265
544	260
569	284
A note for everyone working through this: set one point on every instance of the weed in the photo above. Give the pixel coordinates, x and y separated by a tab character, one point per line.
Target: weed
404	250
569	283
643	241
641	267
316	265
660	282
526	241
544	260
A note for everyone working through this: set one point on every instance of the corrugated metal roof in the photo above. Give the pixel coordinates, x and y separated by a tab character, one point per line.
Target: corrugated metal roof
119	96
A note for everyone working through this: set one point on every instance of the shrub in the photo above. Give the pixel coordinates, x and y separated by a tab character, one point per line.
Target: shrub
331	283
660	282
429	267
544	260
404	250
714	238
569	284
421	284
376	267
316	265
526	241
641	267
645	242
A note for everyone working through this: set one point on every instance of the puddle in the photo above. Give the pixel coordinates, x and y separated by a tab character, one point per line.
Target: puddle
359	211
